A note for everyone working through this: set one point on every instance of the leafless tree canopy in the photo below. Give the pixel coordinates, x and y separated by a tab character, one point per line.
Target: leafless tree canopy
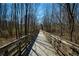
21	19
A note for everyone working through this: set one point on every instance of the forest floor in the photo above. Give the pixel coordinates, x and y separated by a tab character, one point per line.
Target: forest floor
42	47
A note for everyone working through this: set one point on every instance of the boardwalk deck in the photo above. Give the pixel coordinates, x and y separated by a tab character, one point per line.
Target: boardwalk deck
42	47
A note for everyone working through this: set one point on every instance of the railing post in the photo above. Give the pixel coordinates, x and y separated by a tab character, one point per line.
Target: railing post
19	45
26	39
26	42
6	53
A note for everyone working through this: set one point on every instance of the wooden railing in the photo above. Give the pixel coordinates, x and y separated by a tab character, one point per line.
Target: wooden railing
63	47
20	46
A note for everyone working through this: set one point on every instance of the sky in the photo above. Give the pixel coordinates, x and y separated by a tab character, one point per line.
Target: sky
40	10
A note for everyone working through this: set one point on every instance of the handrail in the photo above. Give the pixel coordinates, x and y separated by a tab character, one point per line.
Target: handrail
15	40
67	44
63	47
18	46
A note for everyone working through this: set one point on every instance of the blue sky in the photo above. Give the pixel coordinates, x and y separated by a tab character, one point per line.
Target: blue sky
40	10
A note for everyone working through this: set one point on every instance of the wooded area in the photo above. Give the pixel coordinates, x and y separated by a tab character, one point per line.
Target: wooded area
63	21
19	19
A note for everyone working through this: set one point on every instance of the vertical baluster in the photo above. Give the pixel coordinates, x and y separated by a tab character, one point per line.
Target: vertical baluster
6	52
19	46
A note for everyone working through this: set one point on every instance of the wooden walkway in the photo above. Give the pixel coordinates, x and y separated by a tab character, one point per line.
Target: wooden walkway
45	44
42	47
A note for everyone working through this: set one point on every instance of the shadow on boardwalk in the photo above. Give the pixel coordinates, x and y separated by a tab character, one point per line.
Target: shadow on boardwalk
42	47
